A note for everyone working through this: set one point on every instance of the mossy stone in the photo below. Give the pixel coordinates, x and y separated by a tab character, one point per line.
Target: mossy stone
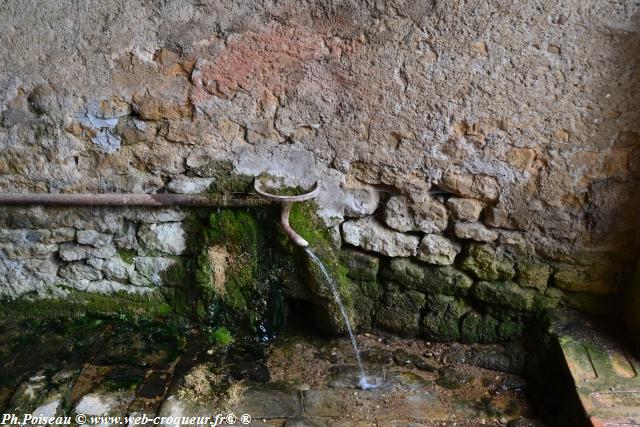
506	294
405	272
226	180
400	312
304	220
583	279
478	328
446	280
360	265
126	255
533	275
442	320
483	262
426	278
77	304
510	330
228	271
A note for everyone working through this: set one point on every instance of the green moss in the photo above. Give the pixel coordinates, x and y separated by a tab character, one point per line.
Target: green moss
506	294
400	312
445	280
483	262
361	266
221	337
77	304
126	255
233	234
304	220
510	330
442	320
226	180
478	328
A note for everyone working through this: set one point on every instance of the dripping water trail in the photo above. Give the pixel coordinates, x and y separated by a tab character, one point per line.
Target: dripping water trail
363	378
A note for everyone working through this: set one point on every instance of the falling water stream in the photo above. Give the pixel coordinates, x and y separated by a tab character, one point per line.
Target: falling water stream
363	383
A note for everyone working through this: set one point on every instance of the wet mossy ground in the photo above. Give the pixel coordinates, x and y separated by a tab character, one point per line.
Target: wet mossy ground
140	360
30	347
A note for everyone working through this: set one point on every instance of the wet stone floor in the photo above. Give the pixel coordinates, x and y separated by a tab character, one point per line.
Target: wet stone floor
113	368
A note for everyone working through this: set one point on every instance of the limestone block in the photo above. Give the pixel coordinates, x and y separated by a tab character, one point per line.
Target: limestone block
370	235
166	237
437	249
464	209
361	201
474	231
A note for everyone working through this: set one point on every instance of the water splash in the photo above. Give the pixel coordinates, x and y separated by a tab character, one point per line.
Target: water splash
363	383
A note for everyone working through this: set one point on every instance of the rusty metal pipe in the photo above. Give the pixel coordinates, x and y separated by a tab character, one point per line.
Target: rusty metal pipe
151	200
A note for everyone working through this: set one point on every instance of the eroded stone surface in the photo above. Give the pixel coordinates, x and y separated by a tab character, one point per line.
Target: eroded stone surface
465	209
166	237
361	201
350	95
474	231
428	215
436	249
370	235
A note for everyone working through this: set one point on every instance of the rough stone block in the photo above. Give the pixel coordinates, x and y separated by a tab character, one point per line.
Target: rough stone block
152	268
477	328
166	237
442	320
79	271
483	262
361	266
430	279
93	238
474	231
187	185
533	275
370	235
400	312
28	250
361	201
583	279
114	268
481	187
437	249
428	215
506	294
75	252
465	209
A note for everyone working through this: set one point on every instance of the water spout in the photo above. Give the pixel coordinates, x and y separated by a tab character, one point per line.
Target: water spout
287	202
363	382
284	221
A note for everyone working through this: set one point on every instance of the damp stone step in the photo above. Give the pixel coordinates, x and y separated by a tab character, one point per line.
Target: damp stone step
605	372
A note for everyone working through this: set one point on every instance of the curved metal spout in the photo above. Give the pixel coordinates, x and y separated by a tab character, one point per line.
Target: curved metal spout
284	221
287	202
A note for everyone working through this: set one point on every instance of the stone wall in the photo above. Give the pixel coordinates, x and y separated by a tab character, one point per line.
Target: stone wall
501	138
70	254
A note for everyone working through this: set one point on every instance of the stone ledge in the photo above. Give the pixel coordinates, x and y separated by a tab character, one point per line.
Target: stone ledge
605	374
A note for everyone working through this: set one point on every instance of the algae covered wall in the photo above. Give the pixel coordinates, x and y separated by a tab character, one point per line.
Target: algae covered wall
498	141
